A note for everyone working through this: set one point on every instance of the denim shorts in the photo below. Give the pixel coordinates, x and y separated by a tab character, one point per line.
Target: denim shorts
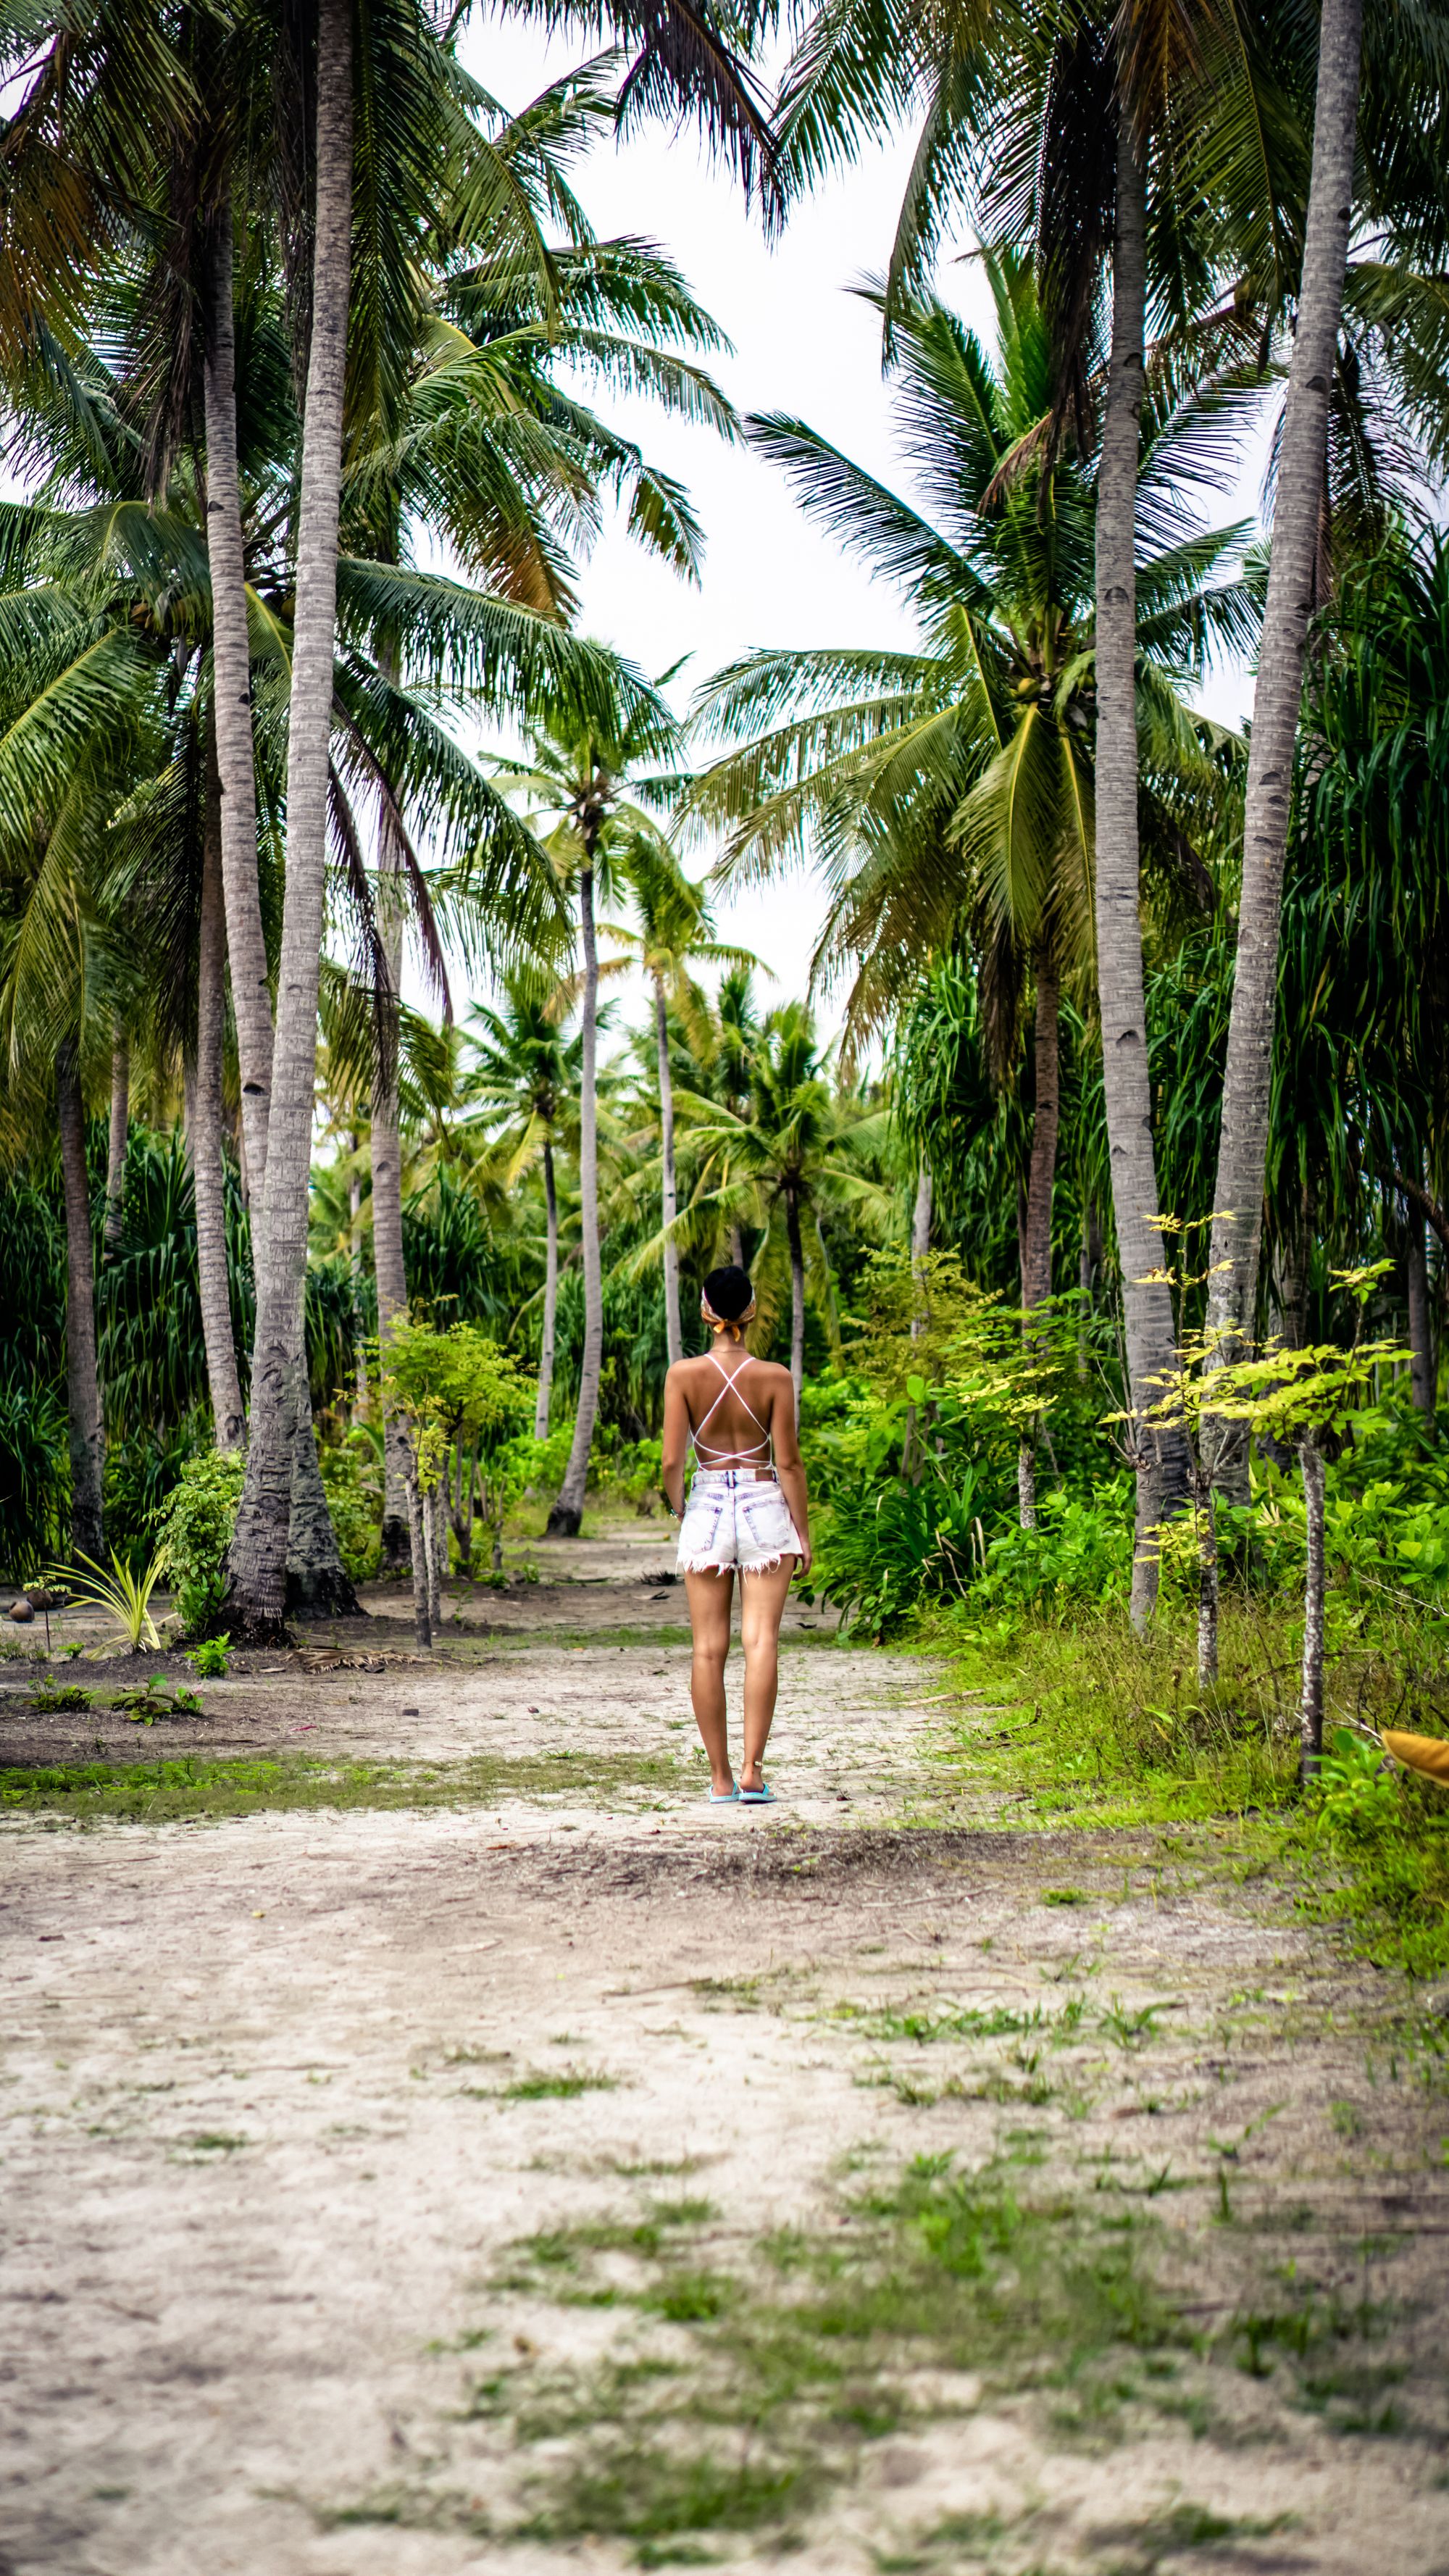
735	1517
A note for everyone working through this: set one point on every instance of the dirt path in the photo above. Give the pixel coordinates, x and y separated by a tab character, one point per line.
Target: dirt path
576	2177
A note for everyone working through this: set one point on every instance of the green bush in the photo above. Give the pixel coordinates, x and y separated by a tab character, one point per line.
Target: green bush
352	1482
194	1528
211	1662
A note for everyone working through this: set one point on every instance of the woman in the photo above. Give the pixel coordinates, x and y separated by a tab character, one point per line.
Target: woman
747	1508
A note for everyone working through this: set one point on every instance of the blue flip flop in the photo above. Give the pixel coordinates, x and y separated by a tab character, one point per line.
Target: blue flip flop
723	1797
764	1796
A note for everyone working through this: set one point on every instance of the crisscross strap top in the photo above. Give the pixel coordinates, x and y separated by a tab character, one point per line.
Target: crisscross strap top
710	1458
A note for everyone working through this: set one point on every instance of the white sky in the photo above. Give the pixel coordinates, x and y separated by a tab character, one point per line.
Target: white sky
802	343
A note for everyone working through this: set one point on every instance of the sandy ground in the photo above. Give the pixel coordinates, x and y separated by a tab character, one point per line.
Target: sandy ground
339	2147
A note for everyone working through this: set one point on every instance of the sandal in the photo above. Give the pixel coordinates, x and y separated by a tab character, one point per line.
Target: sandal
723	1797
764	1796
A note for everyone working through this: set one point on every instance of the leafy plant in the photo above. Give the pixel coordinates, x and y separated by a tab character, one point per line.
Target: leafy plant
194	1530
210	1660
52	1698
127	1596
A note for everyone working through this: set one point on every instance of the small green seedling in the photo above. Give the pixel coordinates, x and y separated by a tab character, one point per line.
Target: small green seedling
210	1660
52	1698
74	1648
143	1707
187	1703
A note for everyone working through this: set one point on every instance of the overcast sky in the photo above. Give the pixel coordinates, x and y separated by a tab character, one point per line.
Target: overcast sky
803	343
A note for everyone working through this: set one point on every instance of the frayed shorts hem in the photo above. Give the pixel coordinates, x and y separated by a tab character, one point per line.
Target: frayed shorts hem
737	1565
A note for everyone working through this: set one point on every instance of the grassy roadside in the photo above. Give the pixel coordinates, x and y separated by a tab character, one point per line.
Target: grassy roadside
1082	1723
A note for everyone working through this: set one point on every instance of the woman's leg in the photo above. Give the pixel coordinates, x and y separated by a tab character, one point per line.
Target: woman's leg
709	1617
762	1606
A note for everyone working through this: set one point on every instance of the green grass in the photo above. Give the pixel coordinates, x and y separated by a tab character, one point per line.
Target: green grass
563	2085
191	1788
1102	1729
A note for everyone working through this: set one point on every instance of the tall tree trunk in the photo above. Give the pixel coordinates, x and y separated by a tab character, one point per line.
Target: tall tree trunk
550	1297
318	1583
1089	1263
1310	1708
208	1177
797	1297
1207	1582
568	1510
251	998
1147	1308
1036	1266
116	1153
1247	1079
1421	1321
82	1377
921	1230
673	1337
258	1560
418	1554
387	1235
354	1244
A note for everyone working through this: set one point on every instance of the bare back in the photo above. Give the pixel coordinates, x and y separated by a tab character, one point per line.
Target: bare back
736	1407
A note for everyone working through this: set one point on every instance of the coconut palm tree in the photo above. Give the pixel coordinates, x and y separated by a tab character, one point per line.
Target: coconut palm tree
789	1155
577	779
674	932
523	1086
953	788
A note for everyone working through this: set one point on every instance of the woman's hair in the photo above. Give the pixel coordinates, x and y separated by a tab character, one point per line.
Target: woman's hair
727	1292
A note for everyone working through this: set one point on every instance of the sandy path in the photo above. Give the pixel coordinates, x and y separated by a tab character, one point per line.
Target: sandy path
353	2164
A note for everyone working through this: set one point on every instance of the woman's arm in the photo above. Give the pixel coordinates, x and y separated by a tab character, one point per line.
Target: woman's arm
675	1443
788	1465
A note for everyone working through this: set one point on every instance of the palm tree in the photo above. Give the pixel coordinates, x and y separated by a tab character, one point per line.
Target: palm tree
578	774
674	932
954	787
1299	487
524	1084
788	1155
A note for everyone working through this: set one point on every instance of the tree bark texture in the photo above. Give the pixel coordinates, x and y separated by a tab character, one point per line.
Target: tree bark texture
437	1553
1146	1305
797	1298
568	1510
208	1174
921	1220
318	1583
1026	1483
1421	1321
673	1336
258	1561
1036	1268
387	1234
550	1297
354	1204
1310	1708
418	1553
116	1151
1243	1147
82	1376
251	997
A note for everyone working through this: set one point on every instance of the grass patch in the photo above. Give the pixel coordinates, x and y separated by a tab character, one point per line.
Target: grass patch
1104	1729
194	1788
559	2084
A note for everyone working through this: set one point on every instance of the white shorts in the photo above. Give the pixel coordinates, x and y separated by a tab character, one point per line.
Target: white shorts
735	1517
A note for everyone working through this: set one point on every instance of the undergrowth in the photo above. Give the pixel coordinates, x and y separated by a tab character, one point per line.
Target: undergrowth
1101	1728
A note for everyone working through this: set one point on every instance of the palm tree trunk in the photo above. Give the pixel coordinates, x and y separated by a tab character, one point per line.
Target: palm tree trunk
387	1235
673	1336
1036	1266
1243	1145
550	1297
82	1377
1147	1309
251	998
318	1583
354	1241
568	1510
1207	1582
418	1554
258	1560
797	1297
1421	1321
208	1179
921	1232
116	1154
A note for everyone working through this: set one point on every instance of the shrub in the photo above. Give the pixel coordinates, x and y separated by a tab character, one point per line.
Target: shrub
194	1527
211	1662
352	1482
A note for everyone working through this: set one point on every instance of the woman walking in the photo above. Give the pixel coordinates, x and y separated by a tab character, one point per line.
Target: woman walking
747	1508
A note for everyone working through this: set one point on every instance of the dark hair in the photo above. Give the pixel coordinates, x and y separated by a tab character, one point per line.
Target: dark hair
727	1292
